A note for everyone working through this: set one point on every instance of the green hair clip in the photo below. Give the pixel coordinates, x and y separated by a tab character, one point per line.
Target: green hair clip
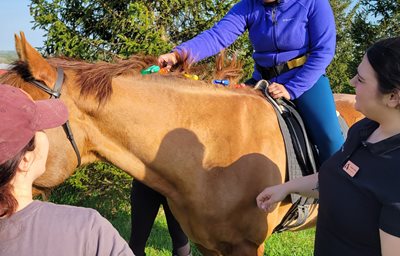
150	70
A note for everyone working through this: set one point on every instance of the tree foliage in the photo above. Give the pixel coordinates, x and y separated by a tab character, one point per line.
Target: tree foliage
339	71
374	20
102	30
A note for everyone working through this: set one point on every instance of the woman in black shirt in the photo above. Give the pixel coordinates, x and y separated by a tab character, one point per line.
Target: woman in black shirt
359	186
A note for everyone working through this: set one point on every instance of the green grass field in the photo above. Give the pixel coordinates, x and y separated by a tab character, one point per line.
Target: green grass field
8	57
107	189
282	244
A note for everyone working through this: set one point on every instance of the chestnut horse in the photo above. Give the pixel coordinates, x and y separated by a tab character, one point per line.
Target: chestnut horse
210	150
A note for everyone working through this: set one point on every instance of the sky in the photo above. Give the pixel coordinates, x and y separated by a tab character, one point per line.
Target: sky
15	17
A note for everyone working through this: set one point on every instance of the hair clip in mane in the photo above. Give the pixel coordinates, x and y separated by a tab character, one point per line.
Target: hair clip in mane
164	71
150	70
194	77
223	82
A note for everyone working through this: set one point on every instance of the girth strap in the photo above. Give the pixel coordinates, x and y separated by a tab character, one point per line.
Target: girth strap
300	157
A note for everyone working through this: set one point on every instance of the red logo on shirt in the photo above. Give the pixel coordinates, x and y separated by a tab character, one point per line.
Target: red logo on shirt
351	168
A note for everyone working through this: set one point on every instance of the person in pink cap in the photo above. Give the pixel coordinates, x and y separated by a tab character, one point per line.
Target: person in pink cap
32	227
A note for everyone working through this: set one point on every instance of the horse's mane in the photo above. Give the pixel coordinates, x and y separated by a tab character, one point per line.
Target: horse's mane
95	78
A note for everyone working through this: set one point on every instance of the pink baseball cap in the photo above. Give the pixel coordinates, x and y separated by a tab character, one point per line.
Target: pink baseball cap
21	118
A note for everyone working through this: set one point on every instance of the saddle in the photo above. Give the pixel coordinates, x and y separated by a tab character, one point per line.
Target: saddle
301	156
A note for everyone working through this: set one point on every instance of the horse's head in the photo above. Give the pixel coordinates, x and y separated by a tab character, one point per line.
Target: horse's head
29	73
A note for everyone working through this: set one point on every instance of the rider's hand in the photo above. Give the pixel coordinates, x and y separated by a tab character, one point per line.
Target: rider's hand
277	91
270	196
167	60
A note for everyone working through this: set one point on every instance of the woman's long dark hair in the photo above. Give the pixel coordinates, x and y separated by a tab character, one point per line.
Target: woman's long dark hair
8	203
384	57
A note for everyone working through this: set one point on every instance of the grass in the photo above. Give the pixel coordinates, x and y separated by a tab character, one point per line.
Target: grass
299	243
8	57
107	189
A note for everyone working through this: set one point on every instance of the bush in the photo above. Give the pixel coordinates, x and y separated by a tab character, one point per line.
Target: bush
101	186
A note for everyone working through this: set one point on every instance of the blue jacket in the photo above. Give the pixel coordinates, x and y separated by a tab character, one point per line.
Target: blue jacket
278	33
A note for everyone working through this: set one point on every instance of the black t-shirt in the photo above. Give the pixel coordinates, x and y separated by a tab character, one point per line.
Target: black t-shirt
359	194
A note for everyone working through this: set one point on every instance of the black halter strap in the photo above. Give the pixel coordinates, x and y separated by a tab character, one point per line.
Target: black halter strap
55	94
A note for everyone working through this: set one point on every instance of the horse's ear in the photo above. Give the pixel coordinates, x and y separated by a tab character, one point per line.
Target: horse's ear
18	47
40	69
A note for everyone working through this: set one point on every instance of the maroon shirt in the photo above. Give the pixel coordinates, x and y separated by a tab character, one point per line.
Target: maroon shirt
44	228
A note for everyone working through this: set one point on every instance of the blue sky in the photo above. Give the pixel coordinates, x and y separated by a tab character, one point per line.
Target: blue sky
15	17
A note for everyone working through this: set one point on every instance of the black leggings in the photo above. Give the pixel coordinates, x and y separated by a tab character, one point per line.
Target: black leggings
145	203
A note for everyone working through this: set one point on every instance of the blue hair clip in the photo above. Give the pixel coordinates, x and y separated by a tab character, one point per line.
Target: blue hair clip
223	82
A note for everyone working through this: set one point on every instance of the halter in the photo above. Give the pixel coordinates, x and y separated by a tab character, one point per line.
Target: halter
55	94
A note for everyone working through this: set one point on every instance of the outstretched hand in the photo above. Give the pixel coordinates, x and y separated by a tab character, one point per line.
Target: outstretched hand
167	60
278	90
270	196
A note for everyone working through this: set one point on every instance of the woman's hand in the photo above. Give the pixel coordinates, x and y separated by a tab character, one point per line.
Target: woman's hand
277	91
167	60
270	196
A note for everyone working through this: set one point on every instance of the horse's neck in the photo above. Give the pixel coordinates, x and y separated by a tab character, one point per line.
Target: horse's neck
156	132
146	112
145	125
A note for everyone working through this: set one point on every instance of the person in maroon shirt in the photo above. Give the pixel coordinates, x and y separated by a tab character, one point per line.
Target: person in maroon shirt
358	187
32	227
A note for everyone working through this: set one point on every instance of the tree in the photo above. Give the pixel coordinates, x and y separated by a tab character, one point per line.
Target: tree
102	29
339	70
374	20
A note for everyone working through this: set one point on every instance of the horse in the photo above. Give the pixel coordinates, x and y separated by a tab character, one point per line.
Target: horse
209	149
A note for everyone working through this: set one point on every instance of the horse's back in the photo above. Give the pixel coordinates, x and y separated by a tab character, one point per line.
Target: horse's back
345	106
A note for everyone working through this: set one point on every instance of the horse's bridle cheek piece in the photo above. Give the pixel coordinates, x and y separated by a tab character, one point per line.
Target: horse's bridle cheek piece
55	94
